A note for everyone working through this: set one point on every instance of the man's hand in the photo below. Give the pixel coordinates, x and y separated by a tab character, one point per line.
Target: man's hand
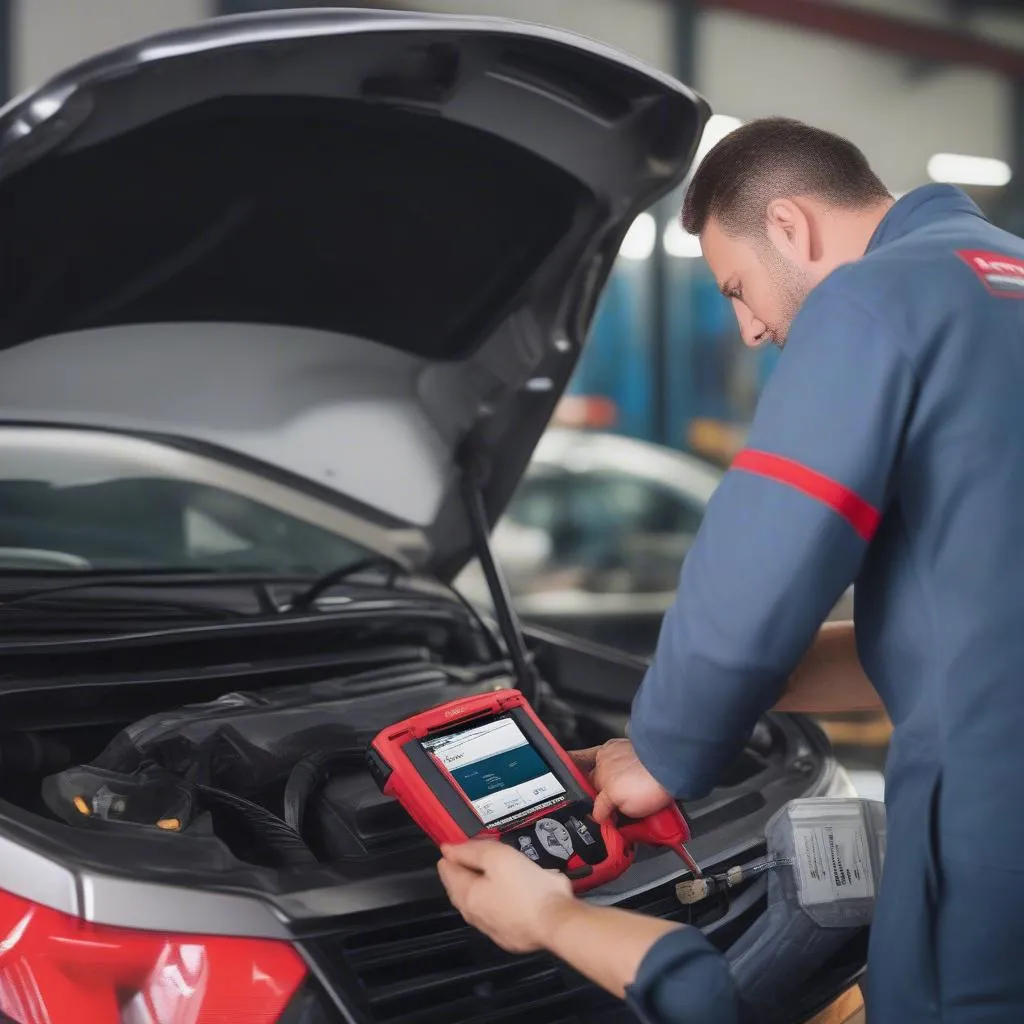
523	908
621	781
503	893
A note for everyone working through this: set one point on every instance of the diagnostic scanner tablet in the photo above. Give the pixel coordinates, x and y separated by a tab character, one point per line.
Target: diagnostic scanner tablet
487	767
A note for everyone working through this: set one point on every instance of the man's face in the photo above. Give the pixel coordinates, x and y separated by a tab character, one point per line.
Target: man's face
765	287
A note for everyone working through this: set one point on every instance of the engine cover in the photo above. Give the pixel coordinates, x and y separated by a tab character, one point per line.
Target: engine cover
253	745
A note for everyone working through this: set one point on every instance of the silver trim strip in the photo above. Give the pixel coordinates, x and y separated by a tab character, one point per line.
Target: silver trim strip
145	905
34	877
123	903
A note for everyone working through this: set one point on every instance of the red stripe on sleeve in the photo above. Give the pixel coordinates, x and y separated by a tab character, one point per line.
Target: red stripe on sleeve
863	517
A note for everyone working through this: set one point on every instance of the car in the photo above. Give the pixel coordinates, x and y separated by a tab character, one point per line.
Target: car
593	540
592	543
288	301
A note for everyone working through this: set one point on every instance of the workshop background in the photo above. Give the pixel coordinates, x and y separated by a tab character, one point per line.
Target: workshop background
929	89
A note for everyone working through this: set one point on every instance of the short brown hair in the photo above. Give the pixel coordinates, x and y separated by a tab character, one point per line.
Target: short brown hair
773	158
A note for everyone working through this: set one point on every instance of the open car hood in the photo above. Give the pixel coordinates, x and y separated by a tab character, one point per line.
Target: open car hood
340	248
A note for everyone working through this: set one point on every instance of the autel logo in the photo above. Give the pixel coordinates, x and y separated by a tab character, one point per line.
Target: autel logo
999	266
1002	275
453	712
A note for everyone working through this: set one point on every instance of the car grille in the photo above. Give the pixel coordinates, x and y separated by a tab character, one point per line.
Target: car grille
428	967
433	969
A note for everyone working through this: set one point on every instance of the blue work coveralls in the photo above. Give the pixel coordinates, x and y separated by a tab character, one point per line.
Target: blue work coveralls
887	450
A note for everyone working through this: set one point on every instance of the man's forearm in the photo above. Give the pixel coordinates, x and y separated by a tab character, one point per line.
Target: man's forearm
603	943
830	677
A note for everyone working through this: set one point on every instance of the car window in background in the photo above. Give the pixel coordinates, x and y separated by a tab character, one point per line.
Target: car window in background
606	531
540	500
593	539
65	510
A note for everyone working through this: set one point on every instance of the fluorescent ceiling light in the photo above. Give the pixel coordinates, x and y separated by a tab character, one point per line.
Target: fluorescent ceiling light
643	232
680	244
640	238
718	126
675	240
968	170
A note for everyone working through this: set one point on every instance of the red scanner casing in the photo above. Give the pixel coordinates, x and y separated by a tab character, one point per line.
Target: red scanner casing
406	771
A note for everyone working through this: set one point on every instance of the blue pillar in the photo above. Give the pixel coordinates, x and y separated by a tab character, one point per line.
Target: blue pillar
677	323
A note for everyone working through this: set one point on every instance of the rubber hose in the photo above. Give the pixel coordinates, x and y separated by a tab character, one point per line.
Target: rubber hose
308	777
275	836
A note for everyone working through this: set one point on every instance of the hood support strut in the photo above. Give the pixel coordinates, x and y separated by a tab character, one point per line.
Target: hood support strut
474	474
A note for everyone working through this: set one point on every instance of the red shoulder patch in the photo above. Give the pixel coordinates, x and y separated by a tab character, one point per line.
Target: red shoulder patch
1001	275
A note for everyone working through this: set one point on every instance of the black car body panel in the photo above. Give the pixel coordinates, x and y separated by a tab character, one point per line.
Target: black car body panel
263	232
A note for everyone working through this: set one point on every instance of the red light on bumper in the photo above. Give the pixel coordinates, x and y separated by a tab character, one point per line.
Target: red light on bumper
57	969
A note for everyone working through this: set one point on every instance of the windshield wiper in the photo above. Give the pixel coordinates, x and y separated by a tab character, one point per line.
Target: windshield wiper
144	607
136	578
307	598
88	596
258	582
392	570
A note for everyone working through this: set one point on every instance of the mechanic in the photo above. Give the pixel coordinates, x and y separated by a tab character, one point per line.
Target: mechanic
887	449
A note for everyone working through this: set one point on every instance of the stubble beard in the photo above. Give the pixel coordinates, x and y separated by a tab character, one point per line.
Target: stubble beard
792	285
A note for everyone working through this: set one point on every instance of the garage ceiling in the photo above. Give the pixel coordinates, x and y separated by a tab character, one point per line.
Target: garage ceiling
921	40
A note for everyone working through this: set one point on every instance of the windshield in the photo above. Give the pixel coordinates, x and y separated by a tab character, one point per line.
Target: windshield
66	507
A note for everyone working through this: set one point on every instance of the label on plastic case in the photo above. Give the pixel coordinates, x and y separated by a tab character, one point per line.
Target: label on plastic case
833	861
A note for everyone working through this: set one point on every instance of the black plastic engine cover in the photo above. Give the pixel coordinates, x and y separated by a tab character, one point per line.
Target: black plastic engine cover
248	742
352	821
298	752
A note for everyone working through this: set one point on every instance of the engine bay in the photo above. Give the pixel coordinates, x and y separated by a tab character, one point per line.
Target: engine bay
231	768
275	773
235	756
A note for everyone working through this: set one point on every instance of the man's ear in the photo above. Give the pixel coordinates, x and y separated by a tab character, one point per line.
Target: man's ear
788	229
